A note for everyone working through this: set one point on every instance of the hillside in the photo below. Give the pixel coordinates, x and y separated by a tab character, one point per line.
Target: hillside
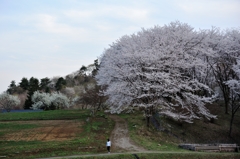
201	131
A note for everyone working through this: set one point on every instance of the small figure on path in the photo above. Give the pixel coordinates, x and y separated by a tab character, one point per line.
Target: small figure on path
108	145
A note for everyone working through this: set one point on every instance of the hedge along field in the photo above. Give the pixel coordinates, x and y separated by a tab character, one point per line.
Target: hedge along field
52	133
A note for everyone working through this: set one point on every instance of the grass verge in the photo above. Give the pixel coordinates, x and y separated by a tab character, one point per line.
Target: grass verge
167	155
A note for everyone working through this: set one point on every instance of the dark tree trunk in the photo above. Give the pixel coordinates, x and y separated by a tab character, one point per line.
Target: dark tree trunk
148	121
226	102
231	123
234	108
149	113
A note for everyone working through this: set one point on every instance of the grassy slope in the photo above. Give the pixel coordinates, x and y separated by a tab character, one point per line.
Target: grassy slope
199	132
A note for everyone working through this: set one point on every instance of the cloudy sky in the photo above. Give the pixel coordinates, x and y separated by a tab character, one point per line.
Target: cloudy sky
47	38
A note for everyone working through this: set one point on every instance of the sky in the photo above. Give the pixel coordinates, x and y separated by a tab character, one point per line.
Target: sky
49	38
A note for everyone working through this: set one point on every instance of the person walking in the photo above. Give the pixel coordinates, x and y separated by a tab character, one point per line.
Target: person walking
108	145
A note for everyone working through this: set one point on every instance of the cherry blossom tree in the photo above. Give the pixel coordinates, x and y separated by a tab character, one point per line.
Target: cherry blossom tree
159	69
8	101
234	96
41	100
46	101
59	100
224	49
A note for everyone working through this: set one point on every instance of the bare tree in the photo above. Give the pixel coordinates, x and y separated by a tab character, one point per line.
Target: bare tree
93	96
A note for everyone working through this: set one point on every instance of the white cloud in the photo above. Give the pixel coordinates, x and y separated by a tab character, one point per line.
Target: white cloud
49	24
106	12
126	13
80	14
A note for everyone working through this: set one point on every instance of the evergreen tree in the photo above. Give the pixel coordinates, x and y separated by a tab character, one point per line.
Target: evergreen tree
94	72
33	86
60	84
24	83
83	69
12	87
44	84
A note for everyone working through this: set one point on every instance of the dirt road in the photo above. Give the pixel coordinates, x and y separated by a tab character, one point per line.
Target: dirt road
120	137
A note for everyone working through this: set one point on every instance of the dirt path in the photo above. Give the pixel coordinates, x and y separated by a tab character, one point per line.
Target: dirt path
120	138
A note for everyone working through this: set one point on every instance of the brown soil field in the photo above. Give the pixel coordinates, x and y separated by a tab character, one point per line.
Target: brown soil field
47	130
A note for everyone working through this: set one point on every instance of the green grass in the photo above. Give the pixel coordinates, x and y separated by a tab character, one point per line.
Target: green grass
33	149
45	115
16	126
168	155
6	127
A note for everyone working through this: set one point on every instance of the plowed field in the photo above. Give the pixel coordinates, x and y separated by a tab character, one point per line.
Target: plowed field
47	130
